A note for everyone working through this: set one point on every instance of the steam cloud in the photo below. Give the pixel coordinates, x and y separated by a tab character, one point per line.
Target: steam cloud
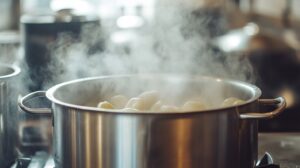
177	40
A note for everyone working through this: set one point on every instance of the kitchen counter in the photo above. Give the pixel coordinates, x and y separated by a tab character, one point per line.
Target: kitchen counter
283	147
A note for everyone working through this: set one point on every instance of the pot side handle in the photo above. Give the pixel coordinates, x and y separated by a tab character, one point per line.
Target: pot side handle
37	94
279	102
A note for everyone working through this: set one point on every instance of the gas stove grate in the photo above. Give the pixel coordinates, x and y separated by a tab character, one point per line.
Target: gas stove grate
42	160
266	162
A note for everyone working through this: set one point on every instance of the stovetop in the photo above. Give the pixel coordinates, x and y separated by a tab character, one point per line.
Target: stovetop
42	160
39	160
283	147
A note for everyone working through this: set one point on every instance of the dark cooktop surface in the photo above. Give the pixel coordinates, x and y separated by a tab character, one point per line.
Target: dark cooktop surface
283	147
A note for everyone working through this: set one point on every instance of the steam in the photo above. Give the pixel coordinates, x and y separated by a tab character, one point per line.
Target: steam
177	40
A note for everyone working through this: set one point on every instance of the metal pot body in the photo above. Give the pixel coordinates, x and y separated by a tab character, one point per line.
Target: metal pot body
8	115
86	137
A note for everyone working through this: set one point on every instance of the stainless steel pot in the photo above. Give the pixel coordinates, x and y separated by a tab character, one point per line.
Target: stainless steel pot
8	114
41	33
86	136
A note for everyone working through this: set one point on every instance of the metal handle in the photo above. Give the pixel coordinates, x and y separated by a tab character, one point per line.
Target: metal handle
30	96
279	102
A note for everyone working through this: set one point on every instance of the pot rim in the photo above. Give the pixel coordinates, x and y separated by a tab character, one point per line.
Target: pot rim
50	94
16	70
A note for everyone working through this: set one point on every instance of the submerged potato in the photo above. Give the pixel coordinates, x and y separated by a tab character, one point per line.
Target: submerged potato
156	106
136	103
105	105
238	102
193	106
119	101
149	98
151	101
232	101
169	108
129	110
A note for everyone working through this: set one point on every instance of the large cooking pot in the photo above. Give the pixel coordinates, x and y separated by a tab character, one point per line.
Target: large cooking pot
86	137
8	114
42	34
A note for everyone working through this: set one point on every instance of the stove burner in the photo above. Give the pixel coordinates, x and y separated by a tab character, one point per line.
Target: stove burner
266	162
23	162
39	160
42	160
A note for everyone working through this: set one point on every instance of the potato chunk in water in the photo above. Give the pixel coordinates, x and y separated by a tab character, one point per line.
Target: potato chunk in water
193	106
149	98
119	101
136	103
151	101
105	105
238	102
232	101
129	110
156	106
169	108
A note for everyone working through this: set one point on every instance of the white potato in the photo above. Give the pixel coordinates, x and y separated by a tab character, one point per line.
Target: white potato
129	110
136	103
150	101
193	106
149	98
156	106
119	101
238	102
232	101
229	101
105	105
169	108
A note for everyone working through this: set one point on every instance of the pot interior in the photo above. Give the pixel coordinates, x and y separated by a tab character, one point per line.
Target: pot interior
173	89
